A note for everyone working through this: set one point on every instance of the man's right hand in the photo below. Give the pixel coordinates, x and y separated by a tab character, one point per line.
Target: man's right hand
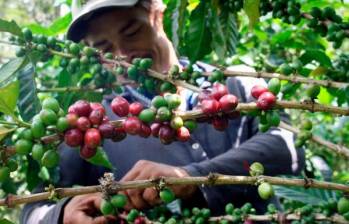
85	209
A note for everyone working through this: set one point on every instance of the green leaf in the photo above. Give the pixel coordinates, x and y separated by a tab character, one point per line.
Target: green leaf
8	98
4	131
198	35
308	196
9	69
101	159
316	55
5	221
251	8
230	30
57	27
28	103
218	37
10	27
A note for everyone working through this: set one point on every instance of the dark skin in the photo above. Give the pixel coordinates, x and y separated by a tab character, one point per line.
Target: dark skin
132	32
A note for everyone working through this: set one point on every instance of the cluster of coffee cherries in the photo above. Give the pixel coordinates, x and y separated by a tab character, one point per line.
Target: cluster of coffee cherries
218	105
265	190
113	205
158	120
288	11
341	69
335	31
28	141
305	133
88	126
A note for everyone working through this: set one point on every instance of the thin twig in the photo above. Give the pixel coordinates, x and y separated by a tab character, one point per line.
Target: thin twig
210	180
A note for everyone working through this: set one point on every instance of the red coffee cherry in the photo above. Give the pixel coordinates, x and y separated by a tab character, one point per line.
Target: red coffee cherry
166	135
92	138
132	125
155	128
74	137
105	119
220	123
120	106
87	153
183	134
119	135
136	108
228	102
72	110
83	123
266	101
145	131
106	130
82	108
97	106
219	90
258	90
96	117
72	119
210	106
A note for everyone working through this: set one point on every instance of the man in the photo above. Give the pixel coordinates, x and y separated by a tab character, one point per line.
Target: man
134	28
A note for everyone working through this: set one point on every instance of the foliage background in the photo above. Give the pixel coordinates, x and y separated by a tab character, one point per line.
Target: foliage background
208	31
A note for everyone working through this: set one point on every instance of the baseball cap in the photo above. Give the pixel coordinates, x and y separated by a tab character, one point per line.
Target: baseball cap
83	9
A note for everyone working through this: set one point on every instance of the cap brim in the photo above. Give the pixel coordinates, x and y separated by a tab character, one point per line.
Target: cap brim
77	28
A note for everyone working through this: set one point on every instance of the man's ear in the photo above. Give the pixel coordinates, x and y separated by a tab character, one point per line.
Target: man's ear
157	20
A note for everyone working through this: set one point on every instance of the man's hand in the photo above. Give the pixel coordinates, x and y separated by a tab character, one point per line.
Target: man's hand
143	170
83	209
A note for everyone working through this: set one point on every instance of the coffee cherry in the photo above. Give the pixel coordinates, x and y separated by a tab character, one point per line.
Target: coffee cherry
4	174
217	76
96	117
87	153
119	200
176	123
145	131
229	209
167	195
273	118
23	147
266	101
263	127
26	134
228	102
219	90
132	73
74	137
274	86
72	120
27	34
132	215
210	106
97	106
158	102
51	103
74	49
166	135
285	69
220	123
120	106
147	116
135	108
258	90
50	159
307	125
256	169
48	116
119	135
12	165
38	152
191	125
313	91
37	128
146	63
163	114
92	138
83	124
107	208
140	220
343	205
132	125
183	134
106	130
62	124
155	128
82	108
265	190
173	101
88	51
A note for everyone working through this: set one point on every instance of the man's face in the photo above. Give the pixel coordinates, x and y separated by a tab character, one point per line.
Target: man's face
131	32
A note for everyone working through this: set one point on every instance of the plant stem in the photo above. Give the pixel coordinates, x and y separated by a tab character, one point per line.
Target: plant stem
210	180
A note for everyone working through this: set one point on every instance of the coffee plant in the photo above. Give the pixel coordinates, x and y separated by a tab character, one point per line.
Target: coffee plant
51	94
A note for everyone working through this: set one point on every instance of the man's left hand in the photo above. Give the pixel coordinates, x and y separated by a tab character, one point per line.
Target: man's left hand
145	198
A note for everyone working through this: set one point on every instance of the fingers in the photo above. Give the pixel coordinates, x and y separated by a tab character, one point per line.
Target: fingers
151	196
